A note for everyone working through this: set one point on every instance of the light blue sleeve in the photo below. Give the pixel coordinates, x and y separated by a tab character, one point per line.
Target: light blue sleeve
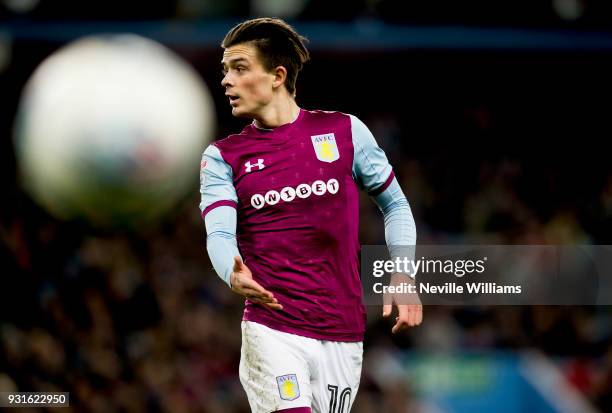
400	228
216	182
221	240
217	205
372	171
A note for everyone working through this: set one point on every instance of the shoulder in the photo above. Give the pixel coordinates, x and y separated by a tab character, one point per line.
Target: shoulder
355	122
359	128
329	119
326	114
230	140
213	161
234	142
223	150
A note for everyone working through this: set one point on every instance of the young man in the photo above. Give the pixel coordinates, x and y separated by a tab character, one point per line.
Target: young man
280	204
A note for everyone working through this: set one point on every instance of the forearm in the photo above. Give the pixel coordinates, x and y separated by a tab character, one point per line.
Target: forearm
221	240
400	228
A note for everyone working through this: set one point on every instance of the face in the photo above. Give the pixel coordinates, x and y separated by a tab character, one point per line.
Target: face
248	86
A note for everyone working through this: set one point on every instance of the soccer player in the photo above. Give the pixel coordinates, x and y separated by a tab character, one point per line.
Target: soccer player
280	204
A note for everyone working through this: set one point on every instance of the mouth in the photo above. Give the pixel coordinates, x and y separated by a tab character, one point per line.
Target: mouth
233	99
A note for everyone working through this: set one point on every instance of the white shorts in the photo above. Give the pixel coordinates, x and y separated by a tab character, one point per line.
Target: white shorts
282	371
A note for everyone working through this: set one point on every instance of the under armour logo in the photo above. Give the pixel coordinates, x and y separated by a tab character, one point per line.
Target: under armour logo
249	166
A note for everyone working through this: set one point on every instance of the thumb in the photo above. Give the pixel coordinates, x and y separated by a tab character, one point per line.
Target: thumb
386	310
237	263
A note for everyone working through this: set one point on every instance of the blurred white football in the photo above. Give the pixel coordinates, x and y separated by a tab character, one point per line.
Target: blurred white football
111	129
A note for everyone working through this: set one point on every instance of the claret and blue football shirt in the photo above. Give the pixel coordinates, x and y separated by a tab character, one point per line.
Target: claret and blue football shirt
294	189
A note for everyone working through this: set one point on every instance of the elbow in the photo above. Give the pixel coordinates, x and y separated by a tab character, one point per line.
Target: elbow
398	204
220	235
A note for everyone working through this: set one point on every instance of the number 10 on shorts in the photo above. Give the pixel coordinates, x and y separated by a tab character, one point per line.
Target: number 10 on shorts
339	403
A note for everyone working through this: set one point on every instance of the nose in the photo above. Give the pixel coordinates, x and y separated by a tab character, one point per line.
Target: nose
225	81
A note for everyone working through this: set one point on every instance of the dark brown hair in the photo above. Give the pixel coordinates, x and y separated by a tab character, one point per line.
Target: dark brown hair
277	43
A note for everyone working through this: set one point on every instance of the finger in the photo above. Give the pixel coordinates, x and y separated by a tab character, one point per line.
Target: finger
249	285
401	321
417	314
253	290
410	316
400	325
262	300
387	310
264	297
419	319
255	296
403	313
273	305
414	315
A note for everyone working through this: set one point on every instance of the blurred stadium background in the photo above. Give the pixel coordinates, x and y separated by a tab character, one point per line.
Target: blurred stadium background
495	117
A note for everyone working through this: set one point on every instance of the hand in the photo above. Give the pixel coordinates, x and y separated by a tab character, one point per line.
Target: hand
410	309
243	283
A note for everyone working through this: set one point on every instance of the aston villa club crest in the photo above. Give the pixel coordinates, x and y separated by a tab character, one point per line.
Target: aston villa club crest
325	147
288	387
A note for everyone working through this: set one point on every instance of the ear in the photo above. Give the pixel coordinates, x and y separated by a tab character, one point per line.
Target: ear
280	75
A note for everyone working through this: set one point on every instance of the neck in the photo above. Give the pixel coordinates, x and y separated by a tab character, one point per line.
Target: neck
277	114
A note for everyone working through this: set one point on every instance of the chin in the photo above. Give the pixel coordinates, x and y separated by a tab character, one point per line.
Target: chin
239	113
